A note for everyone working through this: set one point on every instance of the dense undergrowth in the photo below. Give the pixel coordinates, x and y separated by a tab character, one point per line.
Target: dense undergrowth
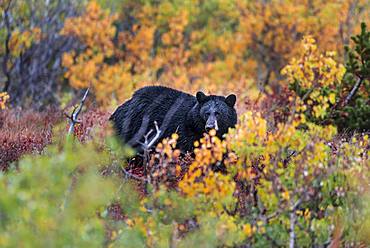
256	188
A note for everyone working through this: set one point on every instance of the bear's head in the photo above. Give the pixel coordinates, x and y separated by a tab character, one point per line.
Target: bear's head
216	112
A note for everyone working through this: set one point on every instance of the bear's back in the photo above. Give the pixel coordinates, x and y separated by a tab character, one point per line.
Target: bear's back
168	107
153	92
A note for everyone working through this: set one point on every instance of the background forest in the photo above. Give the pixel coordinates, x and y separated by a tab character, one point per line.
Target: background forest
294	172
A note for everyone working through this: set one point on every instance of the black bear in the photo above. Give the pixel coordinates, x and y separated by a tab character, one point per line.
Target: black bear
173	111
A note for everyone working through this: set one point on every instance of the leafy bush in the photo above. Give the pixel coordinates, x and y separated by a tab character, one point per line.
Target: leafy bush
53	201
303	187
329	93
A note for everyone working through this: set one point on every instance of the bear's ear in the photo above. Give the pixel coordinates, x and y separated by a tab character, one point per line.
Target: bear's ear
230	100
201	97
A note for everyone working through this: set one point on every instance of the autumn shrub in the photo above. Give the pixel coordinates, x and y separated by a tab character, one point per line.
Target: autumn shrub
216	45
314	78
54	200
286	187
23	132
325	91
290	185
277	185
30	131
293	187
93	122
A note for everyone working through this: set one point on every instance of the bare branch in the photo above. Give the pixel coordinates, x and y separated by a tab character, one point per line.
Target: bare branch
148	134
293	219
145	123
146	147
128	174
273	215
76	111
156	137
353	91
151	138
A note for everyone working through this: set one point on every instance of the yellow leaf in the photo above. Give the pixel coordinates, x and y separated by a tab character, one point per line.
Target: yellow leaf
332	98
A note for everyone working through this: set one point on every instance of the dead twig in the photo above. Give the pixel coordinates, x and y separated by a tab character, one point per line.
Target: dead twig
73	118
155	138
353	91
293	220
129	174
150	139
147	145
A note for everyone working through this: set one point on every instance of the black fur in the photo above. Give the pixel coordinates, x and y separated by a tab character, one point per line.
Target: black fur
174	111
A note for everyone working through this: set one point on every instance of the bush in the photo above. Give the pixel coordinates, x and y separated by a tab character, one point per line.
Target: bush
328	92
305	187
23	132
54	200
353	112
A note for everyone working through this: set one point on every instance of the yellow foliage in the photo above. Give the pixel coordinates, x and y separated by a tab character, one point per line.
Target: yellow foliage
277	23
166	45
247	229
312	69
286	195
201	180
21	41
95	30
4	97
313	72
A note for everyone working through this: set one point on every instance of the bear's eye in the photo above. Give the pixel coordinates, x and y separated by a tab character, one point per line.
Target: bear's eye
217	114
207	114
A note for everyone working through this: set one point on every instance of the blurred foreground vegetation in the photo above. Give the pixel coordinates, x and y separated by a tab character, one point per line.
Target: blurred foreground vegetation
303	187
